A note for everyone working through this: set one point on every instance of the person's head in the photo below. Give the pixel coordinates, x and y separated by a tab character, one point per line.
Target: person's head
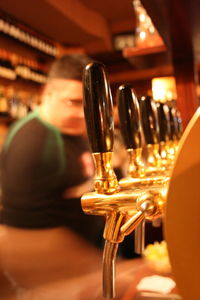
62	97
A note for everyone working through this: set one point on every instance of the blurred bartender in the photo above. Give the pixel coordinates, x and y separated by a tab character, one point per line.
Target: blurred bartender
45	167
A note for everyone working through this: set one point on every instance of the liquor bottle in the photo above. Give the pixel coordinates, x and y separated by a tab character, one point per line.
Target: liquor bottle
6	67
13	102
4	109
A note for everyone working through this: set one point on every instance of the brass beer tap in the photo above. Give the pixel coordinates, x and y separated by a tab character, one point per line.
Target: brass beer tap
123	209
149	118
164	134
130	124
131	128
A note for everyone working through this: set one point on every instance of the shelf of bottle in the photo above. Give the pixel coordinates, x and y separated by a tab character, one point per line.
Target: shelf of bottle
25	35
21	80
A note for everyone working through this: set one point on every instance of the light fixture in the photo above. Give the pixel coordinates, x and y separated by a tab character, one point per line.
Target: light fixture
164	89
146	33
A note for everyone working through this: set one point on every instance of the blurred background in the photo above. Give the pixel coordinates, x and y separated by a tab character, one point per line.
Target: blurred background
137	41
152	44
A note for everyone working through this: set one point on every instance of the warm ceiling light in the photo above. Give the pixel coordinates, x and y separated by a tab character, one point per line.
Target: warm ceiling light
164	89
143	35
146	34
142	17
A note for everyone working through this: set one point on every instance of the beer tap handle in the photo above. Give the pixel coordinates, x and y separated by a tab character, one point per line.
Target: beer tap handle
129	115
167	116
164	134
151	134
173	123
149	120
130	124
179	124
98	108
163	121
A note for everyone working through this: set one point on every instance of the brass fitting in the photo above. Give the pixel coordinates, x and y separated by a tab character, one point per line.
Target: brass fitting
136	166
123	210
105	181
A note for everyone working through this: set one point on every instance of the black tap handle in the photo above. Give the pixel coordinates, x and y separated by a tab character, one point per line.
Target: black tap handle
149	120
179	124
163	121
168	127
98	107
173	123
129	115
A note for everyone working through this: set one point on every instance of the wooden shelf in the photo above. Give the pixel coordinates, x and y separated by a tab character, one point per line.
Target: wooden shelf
136	51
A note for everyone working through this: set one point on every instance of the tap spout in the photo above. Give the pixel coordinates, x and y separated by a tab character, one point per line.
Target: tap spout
109	257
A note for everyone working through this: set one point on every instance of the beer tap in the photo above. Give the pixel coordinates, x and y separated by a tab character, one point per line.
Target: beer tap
130	125
179	124
122	209
131	129
164	134
150	126
175	130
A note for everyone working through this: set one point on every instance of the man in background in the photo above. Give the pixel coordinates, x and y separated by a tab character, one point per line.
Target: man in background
46	165
45	168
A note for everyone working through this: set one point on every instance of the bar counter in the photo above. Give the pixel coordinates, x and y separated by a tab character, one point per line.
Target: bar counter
84	287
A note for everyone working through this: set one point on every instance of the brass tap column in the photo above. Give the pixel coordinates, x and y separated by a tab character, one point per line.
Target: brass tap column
131	129
130	124
121	208
99	121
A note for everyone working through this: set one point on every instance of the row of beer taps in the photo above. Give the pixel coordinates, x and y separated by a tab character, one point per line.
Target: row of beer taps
127	203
